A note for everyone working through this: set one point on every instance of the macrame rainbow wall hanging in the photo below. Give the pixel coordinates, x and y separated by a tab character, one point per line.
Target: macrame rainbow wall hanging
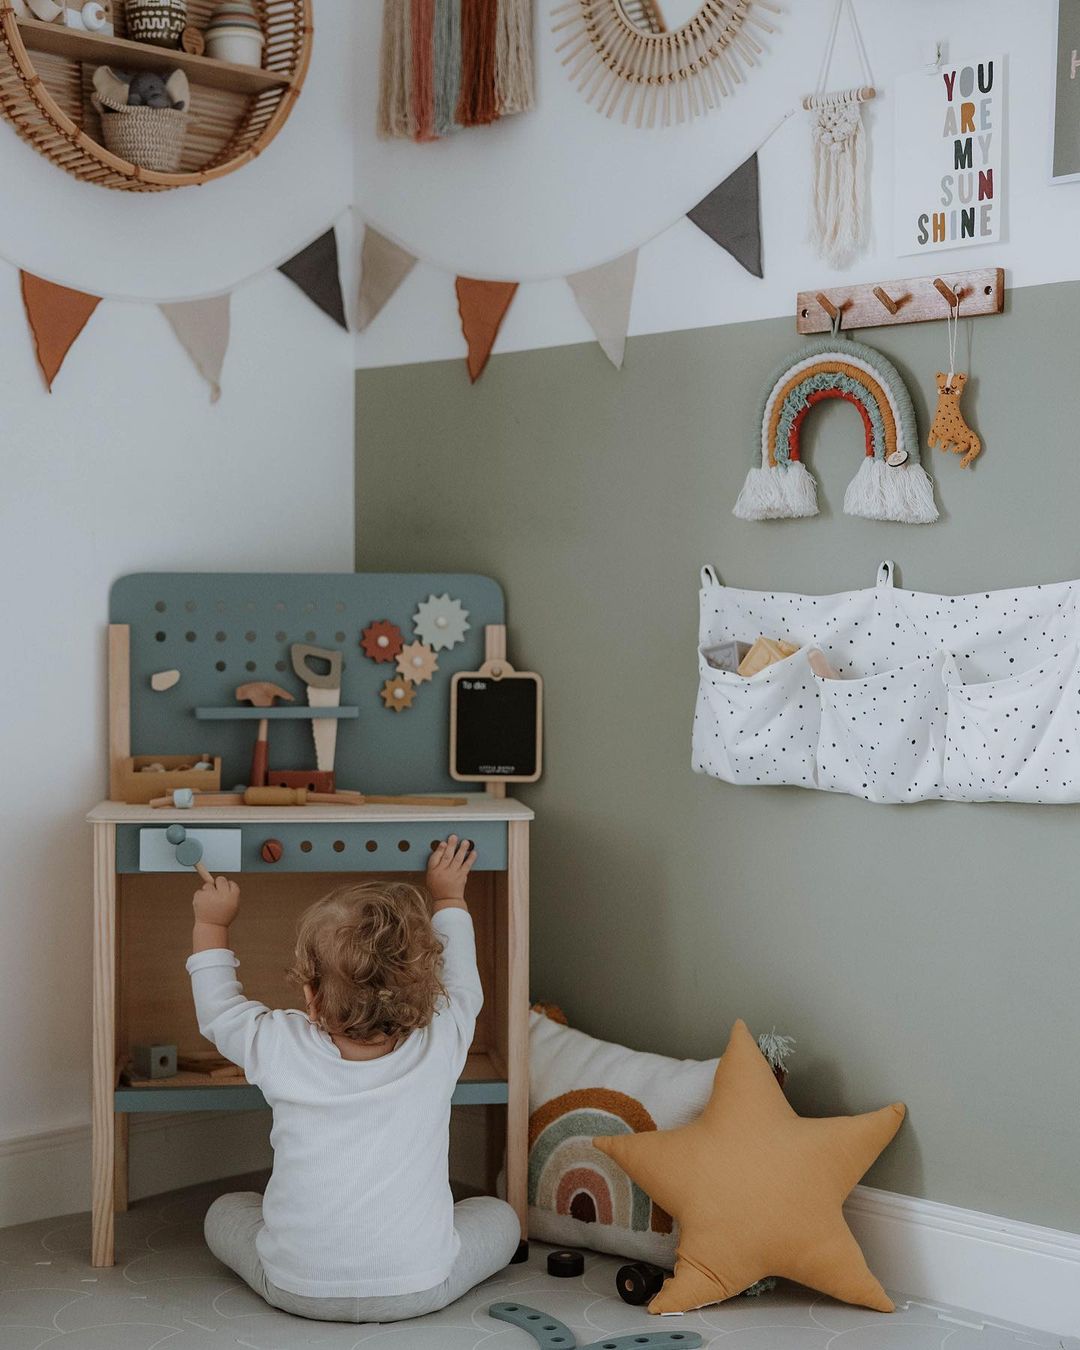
891	484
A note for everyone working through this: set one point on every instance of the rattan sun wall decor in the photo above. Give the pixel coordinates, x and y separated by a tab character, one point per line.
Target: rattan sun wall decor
652	75
46	73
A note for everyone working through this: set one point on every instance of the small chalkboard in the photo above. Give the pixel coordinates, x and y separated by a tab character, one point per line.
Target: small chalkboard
496	717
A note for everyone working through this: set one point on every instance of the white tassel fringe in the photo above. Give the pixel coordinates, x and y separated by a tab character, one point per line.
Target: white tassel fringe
879	492
838	205
777	493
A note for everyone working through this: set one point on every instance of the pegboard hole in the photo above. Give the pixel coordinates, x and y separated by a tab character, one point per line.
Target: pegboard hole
280	666
249	665
190	636
435	844
161	606
372	846
305	845
339	636
220	635
339	845
250	636
310	635
403	845
280	636
220	665
159	637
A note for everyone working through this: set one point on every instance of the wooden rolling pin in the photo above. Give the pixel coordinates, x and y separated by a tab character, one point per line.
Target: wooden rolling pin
286	796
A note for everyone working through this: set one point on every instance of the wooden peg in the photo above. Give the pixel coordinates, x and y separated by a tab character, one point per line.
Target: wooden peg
827	305
953	297
886	299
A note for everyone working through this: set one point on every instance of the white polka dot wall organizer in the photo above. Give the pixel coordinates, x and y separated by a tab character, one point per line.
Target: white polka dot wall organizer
965	697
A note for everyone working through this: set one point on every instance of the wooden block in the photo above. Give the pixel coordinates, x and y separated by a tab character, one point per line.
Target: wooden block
119	707
314	780
164	679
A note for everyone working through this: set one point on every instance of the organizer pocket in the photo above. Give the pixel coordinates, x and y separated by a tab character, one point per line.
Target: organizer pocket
883	737
758	730
1016	739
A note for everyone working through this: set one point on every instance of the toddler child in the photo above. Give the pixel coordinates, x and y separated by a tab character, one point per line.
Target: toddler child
358	1223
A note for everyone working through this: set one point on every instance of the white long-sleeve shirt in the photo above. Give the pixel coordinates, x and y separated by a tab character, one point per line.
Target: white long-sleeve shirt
359	1202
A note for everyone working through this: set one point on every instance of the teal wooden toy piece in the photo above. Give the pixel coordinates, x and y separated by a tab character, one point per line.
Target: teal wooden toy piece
176	834
189	852
551	1334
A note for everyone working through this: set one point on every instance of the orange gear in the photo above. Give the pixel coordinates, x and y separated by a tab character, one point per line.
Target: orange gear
382	640
398	694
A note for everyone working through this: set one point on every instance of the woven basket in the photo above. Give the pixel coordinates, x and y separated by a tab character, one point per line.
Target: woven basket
153	138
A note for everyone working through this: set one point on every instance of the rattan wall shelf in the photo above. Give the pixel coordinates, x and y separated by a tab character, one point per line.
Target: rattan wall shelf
236	111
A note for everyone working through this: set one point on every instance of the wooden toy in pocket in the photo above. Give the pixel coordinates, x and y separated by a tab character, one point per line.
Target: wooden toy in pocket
496	724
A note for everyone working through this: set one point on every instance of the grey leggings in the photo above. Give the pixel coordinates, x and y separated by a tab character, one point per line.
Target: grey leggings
488	1229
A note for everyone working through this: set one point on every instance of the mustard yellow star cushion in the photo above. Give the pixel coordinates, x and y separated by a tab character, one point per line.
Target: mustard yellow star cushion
758	1190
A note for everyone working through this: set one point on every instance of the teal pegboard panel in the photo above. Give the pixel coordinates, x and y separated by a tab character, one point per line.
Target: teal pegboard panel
223	629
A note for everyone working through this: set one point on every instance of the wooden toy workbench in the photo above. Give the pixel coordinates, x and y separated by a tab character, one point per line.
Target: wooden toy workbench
220	631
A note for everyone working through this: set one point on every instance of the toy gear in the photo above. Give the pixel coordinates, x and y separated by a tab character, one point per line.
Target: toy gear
416	662
398	694
441	622
382	640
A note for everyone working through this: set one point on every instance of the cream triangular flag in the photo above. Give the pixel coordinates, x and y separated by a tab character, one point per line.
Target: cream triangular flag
203	329
384	265
603	295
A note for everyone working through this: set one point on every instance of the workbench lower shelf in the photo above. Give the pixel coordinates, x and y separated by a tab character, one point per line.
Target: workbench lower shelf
244	1097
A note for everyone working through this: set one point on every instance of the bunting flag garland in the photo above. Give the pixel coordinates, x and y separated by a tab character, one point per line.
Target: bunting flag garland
56	315
384	265
203	329
731	215
603	295
482	306
447	64
315	270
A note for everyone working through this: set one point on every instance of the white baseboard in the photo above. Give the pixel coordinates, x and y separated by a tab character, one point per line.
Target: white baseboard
48	1174
1010	1271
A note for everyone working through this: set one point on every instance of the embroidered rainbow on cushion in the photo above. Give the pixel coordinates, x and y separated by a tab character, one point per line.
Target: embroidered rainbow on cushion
891	484
567	1175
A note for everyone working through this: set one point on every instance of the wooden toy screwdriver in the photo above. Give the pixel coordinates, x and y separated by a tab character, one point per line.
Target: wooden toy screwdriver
286	796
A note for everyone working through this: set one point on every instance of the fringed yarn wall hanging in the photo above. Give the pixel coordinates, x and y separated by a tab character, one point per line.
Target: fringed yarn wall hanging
448	64
839	206
891	484
624	61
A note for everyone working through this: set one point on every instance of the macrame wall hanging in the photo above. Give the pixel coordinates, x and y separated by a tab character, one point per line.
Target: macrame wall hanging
891	484
625	61
839	205
448	64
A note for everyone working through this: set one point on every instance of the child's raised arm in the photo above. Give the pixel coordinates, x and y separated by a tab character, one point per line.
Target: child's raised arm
225	1016
448	870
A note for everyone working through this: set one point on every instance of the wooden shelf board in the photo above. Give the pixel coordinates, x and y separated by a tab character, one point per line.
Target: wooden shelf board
300	712
97	49
478	806
245	1097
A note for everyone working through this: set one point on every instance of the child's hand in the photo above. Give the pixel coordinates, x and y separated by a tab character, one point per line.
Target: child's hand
217	904
447	871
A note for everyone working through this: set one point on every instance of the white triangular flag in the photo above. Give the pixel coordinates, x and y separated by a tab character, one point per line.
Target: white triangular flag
203	329
384	265
603	295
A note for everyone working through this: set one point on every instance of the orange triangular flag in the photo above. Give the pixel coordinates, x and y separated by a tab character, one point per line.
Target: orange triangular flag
57	315
482	306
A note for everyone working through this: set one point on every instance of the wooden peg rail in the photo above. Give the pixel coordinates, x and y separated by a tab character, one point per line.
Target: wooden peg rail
908	300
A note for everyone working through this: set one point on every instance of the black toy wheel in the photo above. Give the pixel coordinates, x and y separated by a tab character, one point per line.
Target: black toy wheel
522	1253
639	1282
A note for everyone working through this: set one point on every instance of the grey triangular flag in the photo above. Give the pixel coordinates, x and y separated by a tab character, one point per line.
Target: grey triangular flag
731	215
203	328
384	265
315	271
603	295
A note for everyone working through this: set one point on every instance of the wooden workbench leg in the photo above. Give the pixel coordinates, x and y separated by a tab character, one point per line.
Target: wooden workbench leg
103	1047
120	1162
517	1012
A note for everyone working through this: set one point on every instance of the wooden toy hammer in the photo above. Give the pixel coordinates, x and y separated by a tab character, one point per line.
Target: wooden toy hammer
261	694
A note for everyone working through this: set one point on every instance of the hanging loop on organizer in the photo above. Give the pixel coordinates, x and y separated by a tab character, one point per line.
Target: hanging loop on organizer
709	577
885	573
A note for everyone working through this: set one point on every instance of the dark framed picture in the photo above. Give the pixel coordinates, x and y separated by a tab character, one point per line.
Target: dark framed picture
1065	132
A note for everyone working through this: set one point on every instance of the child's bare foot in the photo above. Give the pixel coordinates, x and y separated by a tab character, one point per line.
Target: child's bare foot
447	871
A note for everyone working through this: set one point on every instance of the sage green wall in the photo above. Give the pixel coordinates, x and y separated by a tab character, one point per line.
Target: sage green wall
928	952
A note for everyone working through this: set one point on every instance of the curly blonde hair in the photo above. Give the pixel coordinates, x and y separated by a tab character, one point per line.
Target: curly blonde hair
372	959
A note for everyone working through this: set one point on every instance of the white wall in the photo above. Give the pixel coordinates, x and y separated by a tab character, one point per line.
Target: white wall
126	466
564	188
